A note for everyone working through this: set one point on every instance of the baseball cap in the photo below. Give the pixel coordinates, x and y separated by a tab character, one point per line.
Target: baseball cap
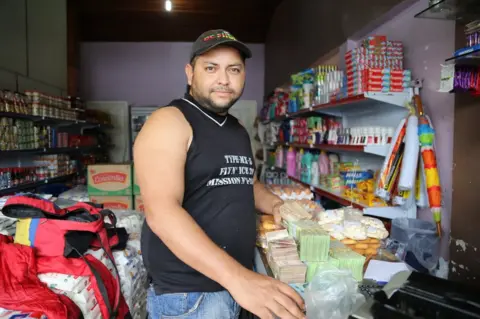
213	38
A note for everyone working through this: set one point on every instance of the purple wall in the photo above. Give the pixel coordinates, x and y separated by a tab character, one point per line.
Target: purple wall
427	44
150	73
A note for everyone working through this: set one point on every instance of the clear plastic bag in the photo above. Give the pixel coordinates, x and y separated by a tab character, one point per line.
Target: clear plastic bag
332	294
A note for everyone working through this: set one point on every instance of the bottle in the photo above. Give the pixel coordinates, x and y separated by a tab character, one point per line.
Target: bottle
315	176
279	157
323	163
307	167
298	169
383	136
291	162
389	135
333	160
377	138
370	136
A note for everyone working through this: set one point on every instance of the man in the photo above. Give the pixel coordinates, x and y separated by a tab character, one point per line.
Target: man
196	173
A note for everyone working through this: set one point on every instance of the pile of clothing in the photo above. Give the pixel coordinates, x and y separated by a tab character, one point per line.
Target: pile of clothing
37	286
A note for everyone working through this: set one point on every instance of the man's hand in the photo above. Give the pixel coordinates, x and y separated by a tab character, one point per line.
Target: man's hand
276	214
266	297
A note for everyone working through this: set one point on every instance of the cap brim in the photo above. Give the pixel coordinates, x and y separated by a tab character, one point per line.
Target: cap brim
244	50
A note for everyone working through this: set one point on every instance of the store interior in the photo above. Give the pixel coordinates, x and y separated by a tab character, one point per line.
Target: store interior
361	116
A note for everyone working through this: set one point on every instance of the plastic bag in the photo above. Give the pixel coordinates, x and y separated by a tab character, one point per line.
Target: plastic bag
332	294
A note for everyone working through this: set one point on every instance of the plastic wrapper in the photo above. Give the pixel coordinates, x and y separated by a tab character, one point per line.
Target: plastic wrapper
332	294
78	193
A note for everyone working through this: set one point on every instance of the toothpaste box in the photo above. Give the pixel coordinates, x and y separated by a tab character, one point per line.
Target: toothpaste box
113	202
109	180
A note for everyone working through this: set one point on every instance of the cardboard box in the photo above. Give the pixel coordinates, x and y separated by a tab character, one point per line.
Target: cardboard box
113	202
109	180
139	206
136	188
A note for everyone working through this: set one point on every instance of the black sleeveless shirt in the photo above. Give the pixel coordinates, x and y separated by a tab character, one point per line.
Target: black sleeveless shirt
218	194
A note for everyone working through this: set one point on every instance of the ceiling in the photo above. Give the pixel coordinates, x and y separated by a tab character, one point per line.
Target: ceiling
147	20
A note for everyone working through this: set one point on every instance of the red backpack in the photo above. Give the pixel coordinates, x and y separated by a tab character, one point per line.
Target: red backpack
68	232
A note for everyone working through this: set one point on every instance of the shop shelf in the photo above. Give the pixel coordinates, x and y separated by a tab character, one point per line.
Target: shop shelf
28	186
54	121
57	150
380	150
464	10
466	54
348	104
383	212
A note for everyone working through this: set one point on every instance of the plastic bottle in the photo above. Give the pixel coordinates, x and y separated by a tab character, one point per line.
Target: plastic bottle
332	160
298	169
279	157
315	176
323	164
291	164
307	167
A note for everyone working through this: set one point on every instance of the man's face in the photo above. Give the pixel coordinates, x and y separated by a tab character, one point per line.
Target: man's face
217	78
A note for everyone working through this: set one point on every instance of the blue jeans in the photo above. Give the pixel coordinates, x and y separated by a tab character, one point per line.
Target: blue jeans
194	305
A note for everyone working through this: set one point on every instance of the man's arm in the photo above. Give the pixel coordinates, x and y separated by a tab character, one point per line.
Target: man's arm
265	201
160	153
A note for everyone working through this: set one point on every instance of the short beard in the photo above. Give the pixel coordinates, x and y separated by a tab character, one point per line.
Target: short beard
210	105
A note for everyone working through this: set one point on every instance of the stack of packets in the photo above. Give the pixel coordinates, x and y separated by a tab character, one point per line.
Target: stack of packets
376	66
283	259
265	224
360	233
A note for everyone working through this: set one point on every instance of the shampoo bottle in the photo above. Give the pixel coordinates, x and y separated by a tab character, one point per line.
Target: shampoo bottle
291	162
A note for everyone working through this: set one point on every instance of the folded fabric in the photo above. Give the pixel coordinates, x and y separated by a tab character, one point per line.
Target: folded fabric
21	289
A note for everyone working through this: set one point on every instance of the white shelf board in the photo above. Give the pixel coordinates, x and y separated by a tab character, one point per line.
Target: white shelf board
393	98
380	150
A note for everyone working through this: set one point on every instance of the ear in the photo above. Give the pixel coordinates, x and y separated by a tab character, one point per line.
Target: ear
189	73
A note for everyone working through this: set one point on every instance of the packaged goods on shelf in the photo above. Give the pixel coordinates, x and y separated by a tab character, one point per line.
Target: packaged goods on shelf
110	180
326	171
15	176
376	66
289	192
460	78
54	165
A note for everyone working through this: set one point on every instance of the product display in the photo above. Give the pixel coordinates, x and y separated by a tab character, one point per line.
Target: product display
375	66
460	78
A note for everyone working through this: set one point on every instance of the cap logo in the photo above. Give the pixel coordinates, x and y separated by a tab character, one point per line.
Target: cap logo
219	35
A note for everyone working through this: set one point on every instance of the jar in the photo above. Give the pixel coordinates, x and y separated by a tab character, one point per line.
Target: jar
8	100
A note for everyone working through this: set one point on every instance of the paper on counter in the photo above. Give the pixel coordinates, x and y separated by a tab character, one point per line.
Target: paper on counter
383	271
